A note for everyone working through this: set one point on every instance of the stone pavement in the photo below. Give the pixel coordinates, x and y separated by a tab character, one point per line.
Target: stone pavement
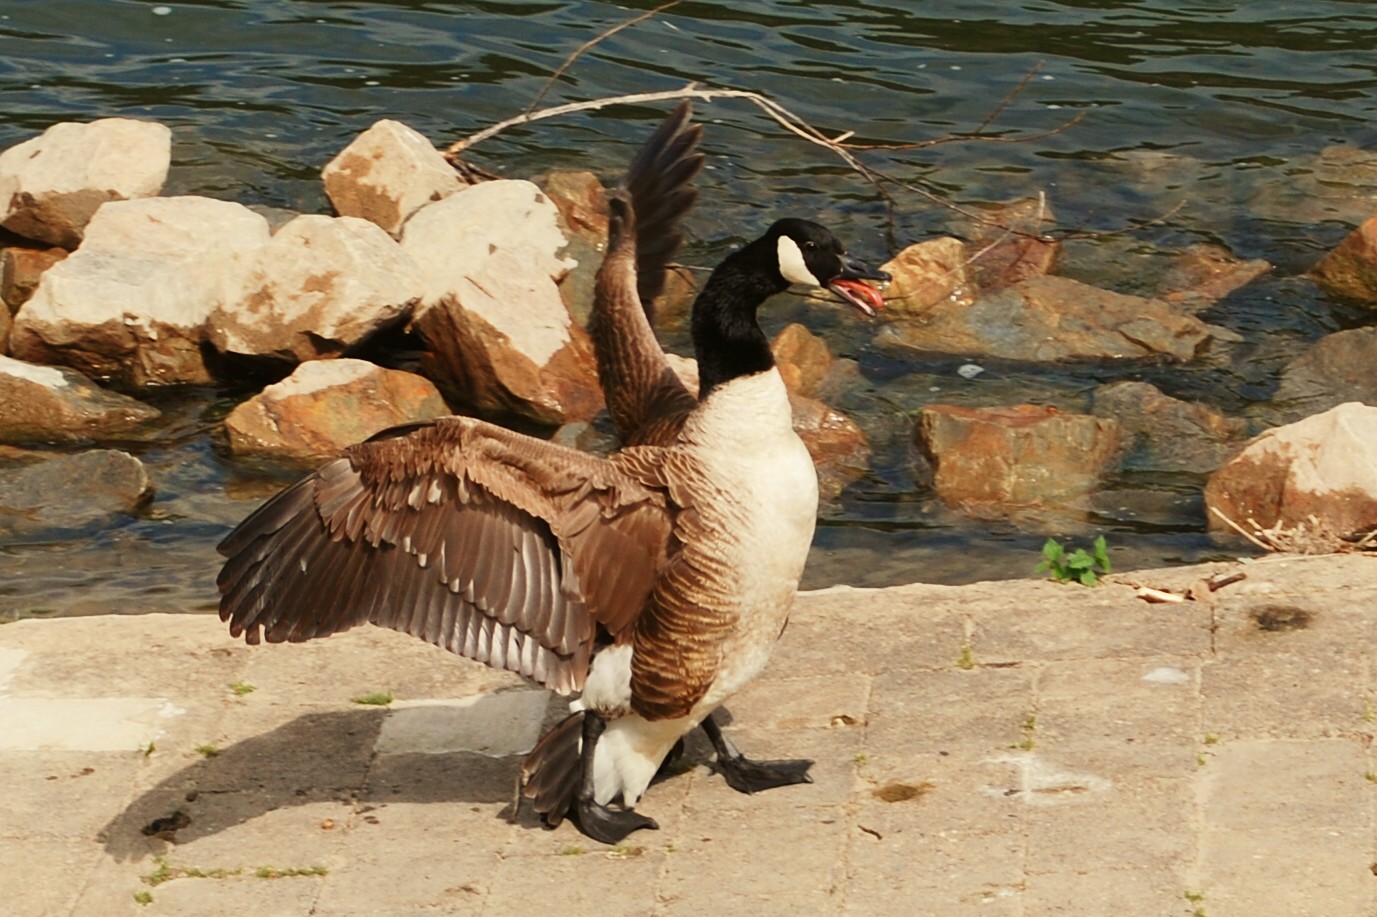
1012	748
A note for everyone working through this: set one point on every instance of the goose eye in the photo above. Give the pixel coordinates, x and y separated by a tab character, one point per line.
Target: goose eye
810	245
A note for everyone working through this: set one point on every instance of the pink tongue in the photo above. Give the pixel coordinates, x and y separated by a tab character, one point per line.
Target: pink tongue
862	291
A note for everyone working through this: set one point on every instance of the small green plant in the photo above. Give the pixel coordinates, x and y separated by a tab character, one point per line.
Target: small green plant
149	748
1370	776
376	699
1211	738
967	658
272	872
1030	730
1369	714
144	897
242	687
1198	899
1081	566
860	758
208	751
573	850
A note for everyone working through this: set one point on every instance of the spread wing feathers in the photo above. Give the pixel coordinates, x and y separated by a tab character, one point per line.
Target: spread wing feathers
490	544
644	396
658	181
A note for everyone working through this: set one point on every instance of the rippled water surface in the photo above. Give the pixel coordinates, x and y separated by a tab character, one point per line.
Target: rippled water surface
1236	123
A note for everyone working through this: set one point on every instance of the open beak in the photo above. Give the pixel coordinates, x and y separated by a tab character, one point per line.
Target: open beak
851	285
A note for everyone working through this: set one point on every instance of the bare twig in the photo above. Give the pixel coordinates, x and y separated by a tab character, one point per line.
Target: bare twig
1240	529
581	49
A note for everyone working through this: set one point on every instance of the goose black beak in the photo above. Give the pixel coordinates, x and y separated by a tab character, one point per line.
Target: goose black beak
851	285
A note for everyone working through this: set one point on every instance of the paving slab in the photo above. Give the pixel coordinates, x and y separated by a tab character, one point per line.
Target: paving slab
1010	748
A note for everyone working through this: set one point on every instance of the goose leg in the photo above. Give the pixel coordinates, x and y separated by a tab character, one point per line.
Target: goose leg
597	821
747	776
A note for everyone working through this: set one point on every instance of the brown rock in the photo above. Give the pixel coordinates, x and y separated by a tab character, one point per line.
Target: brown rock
1010	247
388	173
326	405
1014	457
582	203
1054	318
71	491
1350	270
803	359
928	275
1204	274
1167	434
51	185
47	404
1336	369
1324	466
21	269
838	446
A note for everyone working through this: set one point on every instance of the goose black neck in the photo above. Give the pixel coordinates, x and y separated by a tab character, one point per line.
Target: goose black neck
727	339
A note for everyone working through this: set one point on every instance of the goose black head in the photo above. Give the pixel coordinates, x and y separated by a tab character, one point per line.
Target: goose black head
808	255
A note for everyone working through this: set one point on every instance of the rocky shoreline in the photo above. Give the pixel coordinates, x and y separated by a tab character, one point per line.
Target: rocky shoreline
113	292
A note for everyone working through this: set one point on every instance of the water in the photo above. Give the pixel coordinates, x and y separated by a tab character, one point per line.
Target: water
1238	120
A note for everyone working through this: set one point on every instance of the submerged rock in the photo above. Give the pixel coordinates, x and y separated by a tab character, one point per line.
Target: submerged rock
498	336
326	405
1009	246
320	286
803	359
71	491
133	301
1324	466
45	404
1201	275
994	460
388	173
1049	319
1165	433
51	185
1336	369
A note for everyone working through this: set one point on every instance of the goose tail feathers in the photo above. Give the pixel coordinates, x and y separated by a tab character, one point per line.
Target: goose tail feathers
550	774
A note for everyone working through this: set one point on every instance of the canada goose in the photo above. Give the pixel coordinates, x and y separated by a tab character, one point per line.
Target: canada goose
654	581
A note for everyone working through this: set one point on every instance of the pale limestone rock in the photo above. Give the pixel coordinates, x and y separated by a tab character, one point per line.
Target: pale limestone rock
388	173
320	286
326	405
48	404
499	338
133	301
52	184
1324	466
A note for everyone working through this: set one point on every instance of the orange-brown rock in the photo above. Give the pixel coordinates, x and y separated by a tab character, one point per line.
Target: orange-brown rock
1009	458
838	446
803	359
20	270
326	405
928	275
1324	466
1203	274
48	404
581	200
1350	270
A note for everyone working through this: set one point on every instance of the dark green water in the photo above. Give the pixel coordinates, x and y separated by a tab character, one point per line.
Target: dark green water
1244	116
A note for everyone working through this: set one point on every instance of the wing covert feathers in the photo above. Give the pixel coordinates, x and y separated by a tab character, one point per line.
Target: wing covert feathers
495	546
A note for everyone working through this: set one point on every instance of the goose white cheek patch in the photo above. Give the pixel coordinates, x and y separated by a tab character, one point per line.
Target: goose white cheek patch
791	264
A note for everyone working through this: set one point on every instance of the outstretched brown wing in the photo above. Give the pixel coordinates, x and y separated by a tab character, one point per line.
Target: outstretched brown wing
647	401
493	545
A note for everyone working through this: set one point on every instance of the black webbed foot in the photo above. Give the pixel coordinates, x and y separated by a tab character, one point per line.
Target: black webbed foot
610	826
747	776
